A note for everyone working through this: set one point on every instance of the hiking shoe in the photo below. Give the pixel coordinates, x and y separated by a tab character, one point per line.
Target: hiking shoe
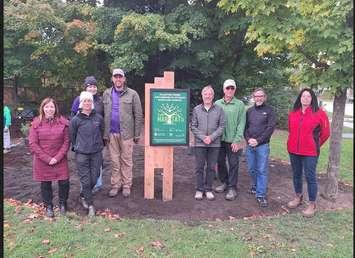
310	211
92	211
252	190
262	201
63	208
84	203
113	192
96	189
231	195
295	202
199	195
221	188
126	192
210	196
6	151
49	212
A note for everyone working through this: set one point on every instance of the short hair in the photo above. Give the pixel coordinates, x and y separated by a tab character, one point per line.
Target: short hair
259	89
314	102
45	102
208	87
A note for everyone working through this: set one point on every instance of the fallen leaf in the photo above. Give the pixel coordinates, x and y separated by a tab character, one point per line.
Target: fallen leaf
28	202
157	244
231	218
53	250
285	209
107	229
140	250
293	250
119	235
45	241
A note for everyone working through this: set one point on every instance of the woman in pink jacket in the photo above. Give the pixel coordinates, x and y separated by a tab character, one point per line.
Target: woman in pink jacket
49	143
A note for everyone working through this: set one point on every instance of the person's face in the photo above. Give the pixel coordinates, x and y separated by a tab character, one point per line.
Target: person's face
49	110
87	105
306	99
92	89
118	80
207	97
229	91
259	97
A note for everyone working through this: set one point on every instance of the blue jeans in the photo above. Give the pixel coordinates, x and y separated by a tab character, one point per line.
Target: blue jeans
208	156
258	167
308	164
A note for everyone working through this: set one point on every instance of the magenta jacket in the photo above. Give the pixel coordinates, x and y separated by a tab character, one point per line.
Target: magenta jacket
49	140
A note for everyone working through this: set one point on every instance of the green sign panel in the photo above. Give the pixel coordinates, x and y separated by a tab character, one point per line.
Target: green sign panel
169	117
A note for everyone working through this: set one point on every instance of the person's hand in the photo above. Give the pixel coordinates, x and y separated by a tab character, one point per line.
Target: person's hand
252	142
136	140
235	147
207	140
53	161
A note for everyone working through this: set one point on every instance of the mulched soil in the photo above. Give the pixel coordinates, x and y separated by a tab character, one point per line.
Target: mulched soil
19	185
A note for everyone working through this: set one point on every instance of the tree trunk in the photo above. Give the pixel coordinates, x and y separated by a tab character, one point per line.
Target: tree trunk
331	188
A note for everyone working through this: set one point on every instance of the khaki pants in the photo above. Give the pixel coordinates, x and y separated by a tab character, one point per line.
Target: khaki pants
121	161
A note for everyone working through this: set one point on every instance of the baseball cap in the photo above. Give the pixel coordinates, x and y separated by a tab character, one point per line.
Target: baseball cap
118	71
229	82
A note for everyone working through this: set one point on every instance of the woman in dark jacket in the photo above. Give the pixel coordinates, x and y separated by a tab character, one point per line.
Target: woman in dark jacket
86	131
49	144
90	85
308	130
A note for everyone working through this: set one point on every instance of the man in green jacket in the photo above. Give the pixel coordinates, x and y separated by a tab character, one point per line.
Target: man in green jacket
232	140
123	122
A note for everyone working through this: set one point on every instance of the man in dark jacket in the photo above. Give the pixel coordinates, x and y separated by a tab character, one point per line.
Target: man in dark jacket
86	135
207	125
260	124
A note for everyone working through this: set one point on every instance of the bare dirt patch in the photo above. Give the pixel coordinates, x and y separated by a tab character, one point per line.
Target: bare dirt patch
19	185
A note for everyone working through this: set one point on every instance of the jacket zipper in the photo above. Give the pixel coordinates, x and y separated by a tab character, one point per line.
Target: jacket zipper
298	134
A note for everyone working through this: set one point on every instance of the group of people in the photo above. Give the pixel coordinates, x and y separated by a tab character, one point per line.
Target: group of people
115	120
222	129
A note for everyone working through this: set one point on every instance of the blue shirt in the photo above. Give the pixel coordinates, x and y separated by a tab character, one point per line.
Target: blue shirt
115	112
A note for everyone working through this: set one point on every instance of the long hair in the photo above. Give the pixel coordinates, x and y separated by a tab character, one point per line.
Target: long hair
45	102
314	102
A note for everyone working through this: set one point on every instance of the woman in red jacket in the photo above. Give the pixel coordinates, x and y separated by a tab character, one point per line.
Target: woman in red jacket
308	127
49	144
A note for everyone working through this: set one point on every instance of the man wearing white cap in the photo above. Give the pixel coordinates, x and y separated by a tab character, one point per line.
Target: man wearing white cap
123	122
232	138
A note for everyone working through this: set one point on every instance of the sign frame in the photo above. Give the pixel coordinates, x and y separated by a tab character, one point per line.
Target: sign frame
152	113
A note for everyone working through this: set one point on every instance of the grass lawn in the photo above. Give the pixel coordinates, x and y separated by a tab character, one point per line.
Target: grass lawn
329	234
279	151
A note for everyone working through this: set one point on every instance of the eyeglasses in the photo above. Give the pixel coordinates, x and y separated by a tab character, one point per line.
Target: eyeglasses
118	76
259	96
230	88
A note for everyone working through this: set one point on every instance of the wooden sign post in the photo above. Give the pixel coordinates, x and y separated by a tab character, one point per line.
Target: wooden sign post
157	156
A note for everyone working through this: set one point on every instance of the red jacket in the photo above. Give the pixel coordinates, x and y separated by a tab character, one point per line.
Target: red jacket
49	140
307	132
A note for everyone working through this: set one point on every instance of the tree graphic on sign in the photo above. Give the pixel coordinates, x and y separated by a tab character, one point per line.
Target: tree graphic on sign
169	113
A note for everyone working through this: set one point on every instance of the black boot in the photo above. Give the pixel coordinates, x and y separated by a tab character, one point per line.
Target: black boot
49	211
63	208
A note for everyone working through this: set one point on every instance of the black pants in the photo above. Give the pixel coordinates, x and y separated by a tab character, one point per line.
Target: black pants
88	167
208	156
47	193
228	176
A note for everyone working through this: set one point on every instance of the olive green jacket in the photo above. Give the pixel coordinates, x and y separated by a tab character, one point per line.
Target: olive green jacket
130	112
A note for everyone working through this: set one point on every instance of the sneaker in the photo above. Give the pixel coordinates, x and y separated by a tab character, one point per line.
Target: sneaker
113	192
49	211
221	188
310	211
6	151
126	192
262	201
63	208
96	189
231	195
84	203
210	196
199	195
92	211
295	202
252	190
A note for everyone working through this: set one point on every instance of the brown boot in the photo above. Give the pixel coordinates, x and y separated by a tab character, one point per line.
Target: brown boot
295	202
310	210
